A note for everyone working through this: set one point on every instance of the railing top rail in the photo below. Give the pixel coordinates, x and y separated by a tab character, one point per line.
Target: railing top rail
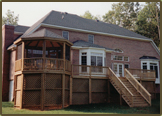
121	82
137	82
141	69
91	66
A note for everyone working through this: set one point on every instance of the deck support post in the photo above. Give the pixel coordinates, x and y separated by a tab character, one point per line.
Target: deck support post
121	98
71	84
42	90
63	76
108	91
90	93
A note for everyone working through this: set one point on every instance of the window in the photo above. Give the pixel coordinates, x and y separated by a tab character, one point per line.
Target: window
84	61
144	65
96	60
126	66
126	58
118	58
153	66
91	39
118	50
65	34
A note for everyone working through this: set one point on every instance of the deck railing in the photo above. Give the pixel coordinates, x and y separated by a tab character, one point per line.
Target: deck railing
138	86
87	70
18	65
122	88
141	74
54	64
37	64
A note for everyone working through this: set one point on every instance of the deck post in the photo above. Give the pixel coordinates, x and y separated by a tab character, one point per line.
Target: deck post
21	94
23	48
63	76
90	93
121	98
71	81
108	90
42	90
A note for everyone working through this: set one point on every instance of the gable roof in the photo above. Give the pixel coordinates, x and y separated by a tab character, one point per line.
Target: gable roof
82	43
21	28
74	21
43	33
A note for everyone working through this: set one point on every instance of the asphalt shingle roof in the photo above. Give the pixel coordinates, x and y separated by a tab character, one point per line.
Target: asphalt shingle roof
74	21
82	43
148	57
43	33
20	28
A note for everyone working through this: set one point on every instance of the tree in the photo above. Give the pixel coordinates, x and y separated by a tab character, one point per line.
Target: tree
10	18
123	14
88	15
148	23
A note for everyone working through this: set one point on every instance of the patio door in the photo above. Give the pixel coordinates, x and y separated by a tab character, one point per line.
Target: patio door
118	68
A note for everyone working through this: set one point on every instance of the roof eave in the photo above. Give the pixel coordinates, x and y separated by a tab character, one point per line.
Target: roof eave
42	38
80	47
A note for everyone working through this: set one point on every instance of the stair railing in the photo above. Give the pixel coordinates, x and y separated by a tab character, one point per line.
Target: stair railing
125	91
145	94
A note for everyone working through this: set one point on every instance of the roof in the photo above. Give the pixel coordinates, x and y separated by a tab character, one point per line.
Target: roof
43	33
21	28
82	43
148	57
77	22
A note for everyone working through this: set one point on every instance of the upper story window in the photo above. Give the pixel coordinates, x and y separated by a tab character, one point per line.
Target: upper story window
91	39
118	58
65	34
118	50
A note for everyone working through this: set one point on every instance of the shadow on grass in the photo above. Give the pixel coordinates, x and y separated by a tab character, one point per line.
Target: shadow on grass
116	108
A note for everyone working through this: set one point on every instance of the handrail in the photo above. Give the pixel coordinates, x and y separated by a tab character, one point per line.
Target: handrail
120	82
138	85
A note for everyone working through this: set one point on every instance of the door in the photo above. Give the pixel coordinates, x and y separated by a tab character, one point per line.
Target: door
153	66
118	69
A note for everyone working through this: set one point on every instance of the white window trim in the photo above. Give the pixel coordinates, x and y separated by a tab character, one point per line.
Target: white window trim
93	38
148	61
117	67
65	31
119	49
89	51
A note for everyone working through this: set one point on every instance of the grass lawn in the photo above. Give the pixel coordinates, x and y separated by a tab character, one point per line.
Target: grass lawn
7	108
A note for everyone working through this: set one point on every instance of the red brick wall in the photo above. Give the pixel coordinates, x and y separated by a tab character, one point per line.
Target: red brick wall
12	65
7	39
134	49
75	56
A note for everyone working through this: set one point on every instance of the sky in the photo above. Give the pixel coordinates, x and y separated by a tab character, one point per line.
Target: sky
31	12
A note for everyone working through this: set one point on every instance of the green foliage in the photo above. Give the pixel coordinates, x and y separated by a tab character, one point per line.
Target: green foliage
88	15
123	14
148	22
12	20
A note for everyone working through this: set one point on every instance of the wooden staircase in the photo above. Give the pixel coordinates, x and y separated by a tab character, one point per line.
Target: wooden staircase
139	101
134	94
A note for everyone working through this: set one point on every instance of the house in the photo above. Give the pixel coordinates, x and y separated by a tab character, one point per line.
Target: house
64	59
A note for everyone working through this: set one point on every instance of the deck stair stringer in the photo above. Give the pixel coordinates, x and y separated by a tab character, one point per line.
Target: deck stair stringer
127	91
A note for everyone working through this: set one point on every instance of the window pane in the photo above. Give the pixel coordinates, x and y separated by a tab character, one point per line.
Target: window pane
115	68
126	66
156	71
90	38
99	61
84	60
65	34
120	70
125	58
144	67
93	60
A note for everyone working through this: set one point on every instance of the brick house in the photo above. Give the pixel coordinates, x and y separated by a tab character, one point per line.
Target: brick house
87	45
